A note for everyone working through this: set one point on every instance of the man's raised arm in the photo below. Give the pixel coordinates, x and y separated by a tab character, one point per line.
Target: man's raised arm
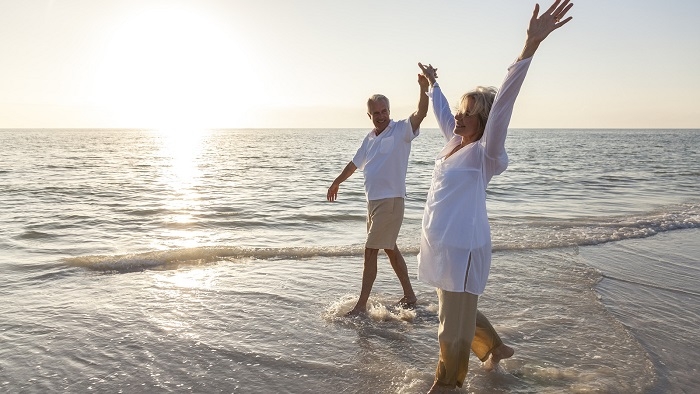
423	103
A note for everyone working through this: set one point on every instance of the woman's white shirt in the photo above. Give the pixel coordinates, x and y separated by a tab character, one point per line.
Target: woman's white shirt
455	251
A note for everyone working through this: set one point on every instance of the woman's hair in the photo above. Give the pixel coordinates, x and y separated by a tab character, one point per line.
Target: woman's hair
483	97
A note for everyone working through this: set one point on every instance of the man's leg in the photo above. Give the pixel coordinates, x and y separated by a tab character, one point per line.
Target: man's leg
487	342
399	265
369	274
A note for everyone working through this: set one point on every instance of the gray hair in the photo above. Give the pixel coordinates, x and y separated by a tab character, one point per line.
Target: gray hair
377	97
483	97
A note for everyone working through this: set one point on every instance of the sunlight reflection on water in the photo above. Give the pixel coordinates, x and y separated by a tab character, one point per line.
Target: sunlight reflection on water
180	153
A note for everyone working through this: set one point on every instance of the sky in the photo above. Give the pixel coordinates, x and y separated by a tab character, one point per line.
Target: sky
313	63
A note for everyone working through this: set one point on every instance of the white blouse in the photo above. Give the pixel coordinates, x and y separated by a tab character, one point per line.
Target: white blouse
455	251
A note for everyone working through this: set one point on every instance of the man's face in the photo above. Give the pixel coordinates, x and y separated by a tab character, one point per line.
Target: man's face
378	111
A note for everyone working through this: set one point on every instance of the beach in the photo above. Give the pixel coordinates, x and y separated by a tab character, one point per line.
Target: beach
143	261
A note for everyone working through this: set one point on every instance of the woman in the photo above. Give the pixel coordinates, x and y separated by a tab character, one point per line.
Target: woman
455	253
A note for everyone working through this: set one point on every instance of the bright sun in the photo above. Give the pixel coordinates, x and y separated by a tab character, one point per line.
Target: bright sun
174	67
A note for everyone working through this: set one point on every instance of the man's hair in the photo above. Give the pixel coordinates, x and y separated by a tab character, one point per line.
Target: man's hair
377	97
483	97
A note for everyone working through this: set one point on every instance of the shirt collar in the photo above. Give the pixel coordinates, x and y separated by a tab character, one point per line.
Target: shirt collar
373	134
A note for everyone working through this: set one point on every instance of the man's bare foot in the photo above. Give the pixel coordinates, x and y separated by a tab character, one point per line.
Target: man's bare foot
356	311
502	352
438	389
407	302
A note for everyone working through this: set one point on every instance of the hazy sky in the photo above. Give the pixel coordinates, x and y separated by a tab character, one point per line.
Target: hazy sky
313	63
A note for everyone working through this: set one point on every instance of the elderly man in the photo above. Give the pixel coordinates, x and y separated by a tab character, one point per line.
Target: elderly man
383	159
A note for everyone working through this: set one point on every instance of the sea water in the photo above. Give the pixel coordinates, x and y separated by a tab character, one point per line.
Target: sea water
209	261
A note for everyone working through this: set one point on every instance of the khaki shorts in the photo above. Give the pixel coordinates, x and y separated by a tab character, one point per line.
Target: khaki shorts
384	219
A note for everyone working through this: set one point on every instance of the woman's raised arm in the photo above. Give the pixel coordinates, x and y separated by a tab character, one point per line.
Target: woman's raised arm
441	108
541	26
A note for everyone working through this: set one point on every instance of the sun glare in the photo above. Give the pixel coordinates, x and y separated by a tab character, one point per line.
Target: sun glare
180	154
174	67
182	148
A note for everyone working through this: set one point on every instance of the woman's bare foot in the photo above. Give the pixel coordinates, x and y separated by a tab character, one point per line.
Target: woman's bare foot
438	389
502	352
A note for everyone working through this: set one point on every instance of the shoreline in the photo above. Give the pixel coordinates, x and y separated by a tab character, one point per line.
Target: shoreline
650	286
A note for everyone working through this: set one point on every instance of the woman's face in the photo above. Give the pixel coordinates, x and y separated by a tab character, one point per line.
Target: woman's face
466	125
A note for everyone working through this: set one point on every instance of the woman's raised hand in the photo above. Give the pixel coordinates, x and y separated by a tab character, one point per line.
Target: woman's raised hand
429	72
541	25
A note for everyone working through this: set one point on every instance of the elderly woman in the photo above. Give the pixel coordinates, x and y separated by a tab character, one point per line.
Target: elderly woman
455	252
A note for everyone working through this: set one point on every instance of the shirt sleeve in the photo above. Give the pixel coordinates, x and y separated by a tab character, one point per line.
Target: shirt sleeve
497	125
408	130
441	109
361	156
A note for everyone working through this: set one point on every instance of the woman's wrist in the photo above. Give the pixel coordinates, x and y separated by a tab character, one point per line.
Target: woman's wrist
529	50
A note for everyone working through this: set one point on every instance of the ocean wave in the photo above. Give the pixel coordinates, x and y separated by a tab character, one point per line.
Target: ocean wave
546	233
34	235
175	258
326	218
653	286
145	212
508	235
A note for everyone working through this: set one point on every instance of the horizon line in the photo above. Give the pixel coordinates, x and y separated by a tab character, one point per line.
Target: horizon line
327	128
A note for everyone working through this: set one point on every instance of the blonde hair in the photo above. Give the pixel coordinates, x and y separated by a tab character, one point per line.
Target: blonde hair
483	97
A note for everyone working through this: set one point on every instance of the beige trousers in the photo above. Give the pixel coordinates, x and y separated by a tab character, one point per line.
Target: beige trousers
486	338
462	327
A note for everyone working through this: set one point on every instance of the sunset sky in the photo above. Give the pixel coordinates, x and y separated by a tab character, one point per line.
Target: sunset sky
313	63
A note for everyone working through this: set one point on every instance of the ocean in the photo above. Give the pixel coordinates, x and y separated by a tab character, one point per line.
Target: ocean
210	261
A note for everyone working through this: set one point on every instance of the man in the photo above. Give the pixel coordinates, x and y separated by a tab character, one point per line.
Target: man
383	159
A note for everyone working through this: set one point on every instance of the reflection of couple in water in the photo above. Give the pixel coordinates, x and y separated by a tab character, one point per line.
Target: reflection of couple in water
455	250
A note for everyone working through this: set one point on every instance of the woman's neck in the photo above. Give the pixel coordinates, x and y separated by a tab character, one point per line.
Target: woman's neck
467	140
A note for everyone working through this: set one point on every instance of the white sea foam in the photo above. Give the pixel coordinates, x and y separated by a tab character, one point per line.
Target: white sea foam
536	234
